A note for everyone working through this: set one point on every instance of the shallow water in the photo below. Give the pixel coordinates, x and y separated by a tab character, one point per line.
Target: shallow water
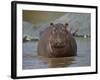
32	61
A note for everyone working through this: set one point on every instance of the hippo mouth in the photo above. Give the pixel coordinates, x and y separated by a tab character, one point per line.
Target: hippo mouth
59	46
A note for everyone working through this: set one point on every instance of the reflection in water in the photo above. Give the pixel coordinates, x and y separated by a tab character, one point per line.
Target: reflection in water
58	62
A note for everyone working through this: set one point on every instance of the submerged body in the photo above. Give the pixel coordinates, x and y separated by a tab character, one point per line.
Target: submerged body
56	41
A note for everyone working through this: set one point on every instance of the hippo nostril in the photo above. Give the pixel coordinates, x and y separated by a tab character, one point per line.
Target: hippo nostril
58	45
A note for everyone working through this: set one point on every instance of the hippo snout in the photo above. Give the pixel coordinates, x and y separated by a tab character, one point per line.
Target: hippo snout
59	45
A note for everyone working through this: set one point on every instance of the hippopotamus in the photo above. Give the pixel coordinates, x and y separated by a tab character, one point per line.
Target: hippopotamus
56	41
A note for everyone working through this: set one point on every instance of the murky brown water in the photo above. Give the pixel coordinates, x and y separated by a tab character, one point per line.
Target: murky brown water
58	62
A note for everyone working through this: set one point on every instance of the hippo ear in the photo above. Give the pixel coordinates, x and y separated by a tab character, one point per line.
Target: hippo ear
51	24
66	25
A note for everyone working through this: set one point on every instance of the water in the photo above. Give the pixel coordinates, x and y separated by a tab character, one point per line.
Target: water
32	61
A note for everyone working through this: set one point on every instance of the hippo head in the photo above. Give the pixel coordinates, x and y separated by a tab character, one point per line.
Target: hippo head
58	36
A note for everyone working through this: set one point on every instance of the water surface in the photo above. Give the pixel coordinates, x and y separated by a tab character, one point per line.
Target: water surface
32	61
